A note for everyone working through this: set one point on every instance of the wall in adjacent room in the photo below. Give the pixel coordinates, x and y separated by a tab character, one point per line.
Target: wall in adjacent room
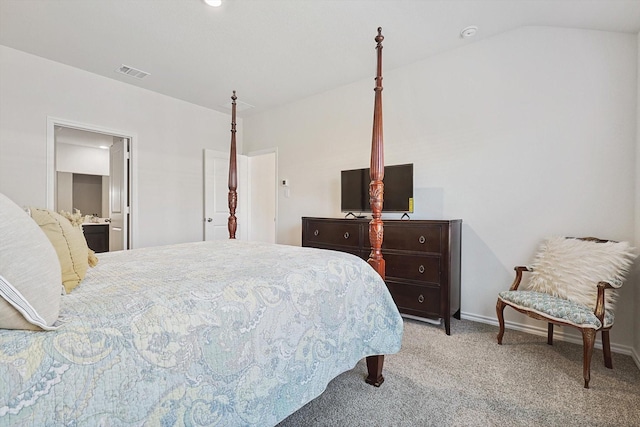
527	134
79	159
170	138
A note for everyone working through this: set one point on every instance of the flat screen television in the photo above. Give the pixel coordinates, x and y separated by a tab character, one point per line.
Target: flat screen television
398	189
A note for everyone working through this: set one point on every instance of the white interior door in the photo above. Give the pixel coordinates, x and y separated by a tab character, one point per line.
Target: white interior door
263	193
118	194
216	193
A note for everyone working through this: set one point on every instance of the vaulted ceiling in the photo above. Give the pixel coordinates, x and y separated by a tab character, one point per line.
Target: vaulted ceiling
273	51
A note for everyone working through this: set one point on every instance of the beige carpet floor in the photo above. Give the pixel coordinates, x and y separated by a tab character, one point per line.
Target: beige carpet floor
467	379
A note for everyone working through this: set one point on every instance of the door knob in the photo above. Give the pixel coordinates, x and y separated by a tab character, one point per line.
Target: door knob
208	219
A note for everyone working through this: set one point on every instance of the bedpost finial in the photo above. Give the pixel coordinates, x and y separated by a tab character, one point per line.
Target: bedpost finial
234	97
379	37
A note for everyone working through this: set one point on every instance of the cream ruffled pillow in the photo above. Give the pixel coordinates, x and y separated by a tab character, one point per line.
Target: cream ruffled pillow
69	243
77	219
571	269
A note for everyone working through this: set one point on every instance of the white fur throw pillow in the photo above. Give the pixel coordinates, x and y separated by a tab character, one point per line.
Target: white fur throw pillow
571	269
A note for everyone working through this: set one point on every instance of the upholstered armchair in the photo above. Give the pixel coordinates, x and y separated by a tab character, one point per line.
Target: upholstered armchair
572	282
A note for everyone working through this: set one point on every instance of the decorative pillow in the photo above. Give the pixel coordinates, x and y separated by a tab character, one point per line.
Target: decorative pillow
69	243
571	269
30	289
77	219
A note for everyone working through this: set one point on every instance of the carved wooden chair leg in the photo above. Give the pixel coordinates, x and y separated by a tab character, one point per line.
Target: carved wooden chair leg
550	334
588	339
500	312
374	368
606	349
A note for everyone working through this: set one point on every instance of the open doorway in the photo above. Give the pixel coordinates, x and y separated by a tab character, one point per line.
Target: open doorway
257	195
263	195
91	169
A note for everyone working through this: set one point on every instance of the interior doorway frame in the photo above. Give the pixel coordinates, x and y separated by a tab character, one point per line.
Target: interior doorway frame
52	122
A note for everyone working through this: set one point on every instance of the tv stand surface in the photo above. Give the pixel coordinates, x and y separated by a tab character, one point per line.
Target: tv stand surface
422	259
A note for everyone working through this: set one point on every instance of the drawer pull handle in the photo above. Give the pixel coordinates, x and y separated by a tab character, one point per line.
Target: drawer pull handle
422	239
315	233
346	234
421	299
421	269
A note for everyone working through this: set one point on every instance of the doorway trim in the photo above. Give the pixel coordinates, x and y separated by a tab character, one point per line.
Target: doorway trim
52	122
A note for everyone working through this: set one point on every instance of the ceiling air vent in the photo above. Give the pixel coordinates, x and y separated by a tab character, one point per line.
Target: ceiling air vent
133	72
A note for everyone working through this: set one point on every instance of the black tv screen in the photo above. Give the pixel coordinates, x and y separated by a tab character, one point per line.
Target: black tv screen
398	189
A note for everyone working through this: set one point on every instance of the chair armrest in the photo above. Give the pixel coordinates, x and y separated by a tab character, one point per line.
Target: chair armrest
613	283
599	311
516	281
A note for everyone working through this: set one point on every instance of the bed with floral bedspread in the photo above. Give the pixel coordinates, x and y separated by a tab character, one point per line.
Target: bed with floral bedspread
210	333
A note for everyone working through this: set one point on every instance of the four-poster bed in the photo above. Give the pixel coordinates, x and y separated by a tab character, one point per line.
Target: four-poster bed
376	194
207	333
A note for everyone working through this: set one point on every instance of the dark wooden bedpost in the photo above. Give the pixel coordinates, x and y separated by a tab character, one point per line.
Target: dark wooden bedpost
376	198
376	186
233	173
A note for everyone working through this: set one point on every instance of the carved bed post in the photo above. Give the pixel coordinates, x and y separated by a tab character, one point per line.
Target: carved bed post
376	187
376	198
232	224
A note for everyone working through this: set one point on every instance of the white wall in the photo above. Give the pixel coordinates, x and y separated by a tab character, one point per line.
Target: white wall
64	194
524	135
171	135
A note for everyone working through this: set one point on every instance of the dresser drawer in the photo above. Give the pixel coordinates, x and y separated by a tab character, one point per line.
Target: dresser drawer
421	268
415	299
346	249
409	237
341	233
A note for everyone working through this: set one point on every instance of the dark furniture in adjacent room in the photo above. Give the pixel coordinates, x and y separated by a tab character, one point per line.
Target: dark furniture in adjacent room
422	259
97	236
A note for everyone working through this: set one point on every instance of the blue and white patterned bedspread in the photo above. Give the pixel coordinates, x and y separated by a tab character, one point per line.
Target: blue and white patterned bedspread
211	333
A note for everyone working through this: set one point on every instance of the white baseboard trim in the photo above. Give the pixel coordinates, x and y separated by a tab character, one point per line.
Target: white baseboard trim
436	322
557	334
636	357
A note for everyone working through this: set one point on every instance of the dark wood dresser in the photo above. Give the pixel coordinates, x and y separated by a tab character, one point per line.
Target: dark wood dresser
422	259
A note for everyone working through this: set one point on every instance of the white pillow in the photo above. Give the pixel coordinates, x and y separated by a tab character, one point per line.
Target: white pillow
30	275
571	269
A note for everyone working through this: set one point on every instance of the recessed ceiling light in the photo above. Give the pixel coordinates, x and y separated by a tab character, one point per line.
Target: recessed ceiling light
214	3
469	32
